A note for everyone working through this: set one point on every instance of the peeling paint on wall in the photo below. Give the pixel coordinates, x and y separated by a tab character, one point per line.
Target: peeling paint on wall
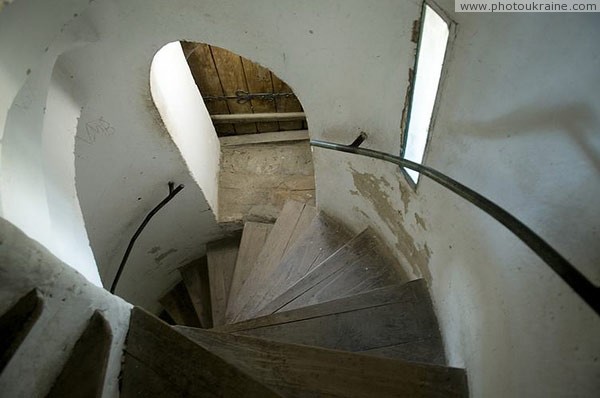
405	193
374	190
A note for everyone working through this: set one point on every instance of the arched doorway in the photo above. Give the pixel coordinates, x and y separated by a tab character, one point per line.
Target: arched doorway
241	129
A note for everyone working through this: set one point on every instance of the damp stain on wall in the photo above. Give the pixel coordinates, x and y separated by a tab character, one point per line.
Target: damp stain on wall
375	190
420	221
154	250
158	259
404	196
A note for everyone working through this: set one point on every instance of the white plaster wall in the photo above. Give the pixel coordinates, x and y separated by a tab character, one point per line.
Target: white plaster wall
182	109
69	240
37	179
26	52
518	122
69	302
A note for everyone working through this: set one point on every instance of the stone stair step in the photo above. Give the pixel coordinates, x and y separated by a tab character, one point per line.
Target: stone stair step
16	323
83	373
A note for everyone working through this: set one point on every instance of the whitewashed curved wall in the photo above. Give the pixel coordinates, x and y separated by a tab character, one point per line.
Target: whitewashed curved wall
184	113
37	191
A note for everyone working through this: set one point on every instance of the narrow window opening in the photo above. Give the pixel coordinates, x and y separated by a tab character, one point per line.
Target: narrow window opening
430	58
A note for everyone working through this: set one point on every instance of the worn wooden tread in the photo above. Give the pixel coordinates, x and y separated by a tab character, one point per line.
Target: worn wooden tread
290	368
373	298
360	265
320	239
253	240
221	257
384	322
83	373
160	362
295	217
347	281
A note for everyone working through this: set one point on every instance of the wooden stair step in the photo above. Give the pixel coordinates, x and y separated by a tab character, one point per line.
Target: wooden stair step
195	278
83	373
361	265
179	306
221	257
294	218
397	322
297	370
253	239
319	240
16	323
160	362
357	302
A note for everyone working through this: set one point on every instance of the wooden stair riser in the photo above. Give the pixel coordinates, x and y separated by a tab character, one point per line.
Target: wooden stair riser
221	257
196	280
179	306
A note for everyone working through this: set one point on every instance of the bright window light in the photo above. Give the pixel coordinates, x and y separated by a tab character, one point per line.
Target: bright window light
430	58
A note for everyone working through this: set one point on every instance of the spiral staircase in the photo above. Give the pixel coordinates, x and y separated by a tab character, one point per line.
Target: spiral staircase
298	308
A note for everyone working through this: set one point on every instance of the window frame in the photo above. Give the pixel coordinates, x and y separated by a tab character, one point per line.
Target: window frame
411	90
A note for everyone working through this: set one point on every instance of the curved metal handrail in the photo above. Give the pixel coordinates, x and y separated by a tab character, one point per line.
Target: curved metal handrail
575	279
172	192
